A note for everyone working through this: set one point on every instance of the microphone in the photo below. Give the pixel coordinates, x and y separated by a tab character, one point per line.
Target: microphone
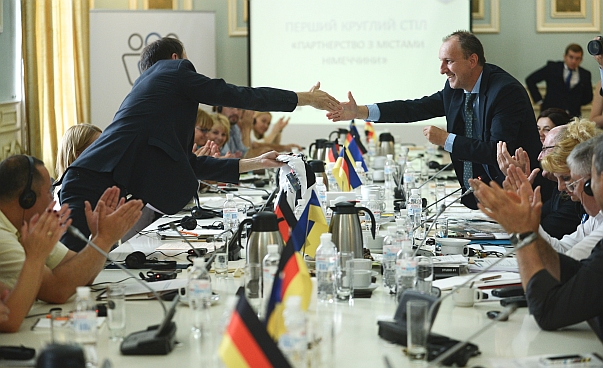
197	253
78	234
434	217
510	309
435	175
187	222
441	199
270	199
519	245
217	188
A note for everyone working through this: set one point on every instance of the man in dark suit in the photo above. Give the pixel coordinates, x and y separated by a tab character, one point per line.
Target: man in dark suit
499	110
146	151
568	86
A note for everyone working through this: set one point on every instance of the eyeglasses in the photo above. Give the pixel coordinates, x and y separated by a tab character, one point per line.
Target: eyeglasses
544	148
202	130
572	186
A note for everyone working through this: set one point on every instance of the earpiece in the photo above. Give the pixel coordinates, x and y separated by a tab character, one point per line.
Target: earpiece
587	188
27	199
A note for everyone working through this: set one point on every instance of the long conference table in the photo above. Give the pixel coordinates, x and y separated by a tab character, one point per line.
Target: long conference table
357	343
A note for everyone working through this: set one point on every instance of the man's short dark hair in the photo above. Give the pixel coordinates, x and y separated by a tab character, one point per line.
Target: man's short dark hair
14	173
598	153
470	45
160	50
575	48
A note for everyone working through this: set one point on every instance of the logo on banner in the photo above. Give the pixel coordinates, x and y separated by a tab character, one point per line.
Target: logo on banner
131	60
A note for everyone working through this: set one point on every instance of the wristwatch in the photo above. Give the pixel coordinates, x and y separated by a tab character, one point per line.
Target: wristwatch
526	238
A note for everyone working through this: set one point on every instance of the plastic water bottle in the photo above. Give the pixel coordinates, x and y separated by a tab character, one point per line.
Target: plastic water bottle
269	267
374	205
326	268
84	324
333	186
406	271
230	213
409	180
299	209
391	247
321	193
293	343
199	294
360	171
413	204
389	170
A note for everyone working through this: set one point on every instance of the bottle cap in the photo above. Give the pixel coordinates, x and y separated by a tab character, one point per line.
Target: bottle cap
229	196
272	248
326	237
82	291
389	156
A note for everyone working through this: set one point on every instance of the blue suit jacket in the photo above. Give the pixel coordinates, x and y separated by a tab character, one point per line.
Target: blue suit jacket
557	94
505	114
148	145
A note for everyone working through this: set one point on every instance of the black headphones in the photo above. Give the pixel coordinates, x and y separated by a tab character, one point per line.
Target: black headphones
27	199
587	188
137	260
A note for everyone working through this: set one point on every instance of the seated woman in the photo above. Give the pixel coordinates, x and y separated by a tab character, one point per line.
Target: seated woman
75	140
261	141
219	133
550	118
203	125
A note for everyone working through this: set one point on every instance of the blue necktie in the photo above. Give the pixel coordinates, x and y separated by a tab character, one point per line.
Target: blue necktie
568	79
469	118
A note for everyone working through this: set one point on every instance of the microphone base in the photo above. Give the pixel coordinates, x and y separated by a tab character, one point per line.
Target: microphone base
148	343
436	344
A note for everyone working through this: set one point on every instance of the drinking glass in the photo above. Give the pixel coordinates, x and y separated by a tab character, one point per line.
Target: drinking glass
116	311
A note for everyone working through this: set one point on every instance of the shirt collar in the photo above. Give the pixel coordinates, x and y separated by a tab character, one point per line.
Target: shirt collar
477	84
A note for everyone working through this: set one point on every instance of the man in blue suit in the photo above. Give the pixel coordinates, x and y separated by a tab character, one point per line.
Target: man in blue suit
482	104
568	86
146	151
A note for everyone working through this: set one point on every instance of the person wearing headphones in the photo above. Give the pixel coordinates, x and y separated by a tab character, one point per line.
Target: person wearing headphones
33	263
569	162
560	291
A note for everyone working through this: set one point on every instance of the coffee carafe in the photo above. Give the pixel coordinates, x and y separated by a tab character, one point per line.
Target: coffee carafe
346	229
264	231
386	144
319	149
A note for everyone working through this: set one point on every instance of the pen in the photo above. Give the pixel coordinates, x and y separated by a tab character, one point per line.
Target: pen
488	278
188	233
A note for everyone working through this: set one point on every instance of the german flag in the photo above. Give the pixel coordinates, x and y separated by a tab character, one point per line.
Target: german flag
369	131
292	279
246	342
283	210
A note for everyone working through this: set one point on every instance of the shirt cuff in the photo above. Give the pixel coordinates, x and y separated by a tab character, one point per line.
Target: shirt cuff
373	112
449	142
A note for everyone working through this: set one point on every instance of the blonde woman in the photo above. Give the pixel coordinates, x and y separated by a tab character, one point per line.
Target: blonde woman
202	146
76	139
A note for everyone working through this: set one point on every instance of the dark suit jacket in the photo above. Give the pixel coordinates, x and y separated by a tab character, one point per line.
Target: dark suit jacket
148	145
557	95
505	114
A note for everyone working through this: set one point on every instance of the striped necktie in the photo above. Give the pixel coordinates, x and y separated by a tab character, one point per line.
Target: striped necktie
469	119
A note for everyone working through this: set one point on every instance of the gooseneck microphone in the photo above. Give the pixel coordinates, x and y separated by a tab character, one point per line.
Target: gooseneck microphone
510	309
434	218
78	234
435	175
441	199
